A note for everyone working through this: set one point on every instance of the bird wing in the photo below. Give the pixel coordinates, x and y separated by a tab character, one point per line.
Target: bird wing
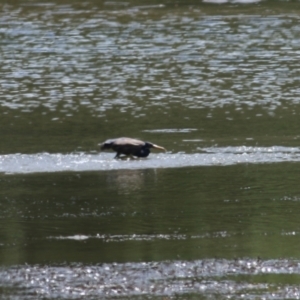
128	141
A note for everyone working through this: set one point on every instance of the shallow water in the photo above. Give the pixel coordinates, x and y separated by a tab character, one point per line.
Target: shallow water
214	82
214	279
139	233
222	156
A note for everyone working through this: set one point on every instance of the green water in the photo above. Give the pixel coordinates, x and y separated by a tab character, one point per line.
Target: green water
186	76
146	215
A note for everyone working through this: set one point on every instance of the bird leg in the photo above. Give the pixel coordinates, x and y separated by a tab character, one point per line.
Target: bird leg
130	156
117	155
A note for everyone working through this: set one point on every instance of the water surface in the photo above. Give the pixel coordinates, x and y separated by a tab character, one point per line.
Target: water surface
216	83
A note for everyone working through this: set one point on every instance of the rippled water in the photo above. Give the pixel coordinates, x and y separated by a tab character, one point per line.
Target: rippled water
210	278
132	69
214	82
45	162
134	60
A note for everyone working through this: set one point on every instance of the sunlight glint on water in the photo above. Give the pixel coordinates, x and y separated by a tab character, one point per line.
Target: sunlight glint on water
214	82
45	162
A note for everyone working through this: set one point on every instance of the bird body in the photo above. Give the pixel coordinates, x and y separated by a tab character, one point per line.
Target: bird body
129	147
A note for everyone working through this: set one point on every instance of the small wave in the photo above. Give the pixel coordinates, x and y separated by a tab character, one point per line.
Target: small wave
78	162
231	1
212	278
172	130
139	237
249	149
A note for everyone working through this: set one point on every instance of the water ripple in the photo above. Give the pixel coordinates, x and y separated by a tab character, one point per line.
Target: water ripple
209	277
143	237
57	57
223	156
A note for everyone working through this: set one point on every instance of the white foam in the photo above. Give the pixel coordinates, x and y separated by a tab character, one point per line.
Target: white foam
78	162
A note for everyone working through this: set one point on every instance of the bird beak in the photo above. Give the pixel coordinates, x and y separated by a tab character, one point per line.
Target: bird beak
159	147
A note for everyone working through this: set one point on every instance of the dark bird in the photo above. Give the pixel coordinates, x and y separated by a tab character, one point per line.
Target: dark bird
129	147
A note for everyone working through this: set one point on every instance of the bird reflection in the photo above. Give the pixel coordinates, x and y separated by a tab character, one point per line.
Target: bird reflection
127	180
